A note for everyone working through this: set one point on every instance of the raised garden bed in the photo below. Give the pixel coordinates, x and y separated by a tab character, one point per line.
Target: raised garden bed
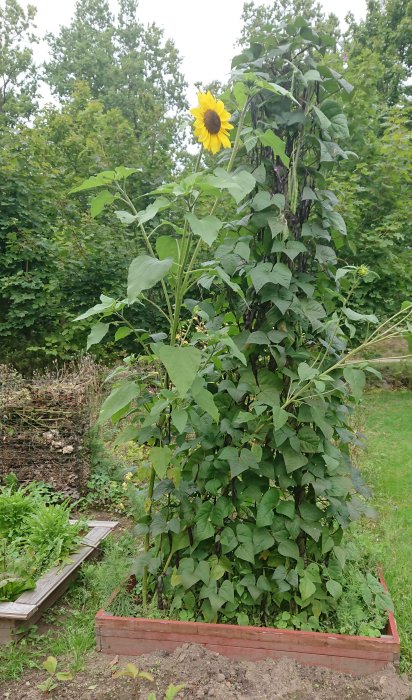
30	605
352	654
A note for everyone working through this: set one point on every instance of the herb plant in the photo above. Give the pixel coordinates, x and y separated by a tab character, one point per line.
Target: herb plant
49	532
245	405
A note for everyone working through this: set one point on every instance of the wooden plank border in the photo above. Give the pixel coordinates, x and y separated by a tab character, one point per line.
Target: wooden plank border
30	605
357	655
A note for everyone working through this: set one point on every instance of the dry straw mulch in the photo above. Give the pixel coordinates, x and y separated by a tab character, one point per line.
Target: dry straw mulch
44	423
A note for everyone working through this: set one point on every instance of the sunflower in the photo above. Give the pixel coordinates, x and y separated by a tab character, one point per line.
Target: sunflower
211	123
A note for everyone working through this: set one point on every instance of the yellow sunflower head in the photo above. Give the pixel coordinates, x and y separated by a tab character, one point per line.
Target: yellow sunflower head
211	123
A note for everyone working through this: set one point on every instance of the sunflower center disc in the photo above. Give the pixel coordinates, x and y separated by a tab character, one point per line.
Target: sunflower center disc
212	121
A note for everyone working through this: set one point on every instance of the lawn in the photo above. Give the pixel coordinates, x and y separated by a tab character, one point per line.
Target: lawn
386	463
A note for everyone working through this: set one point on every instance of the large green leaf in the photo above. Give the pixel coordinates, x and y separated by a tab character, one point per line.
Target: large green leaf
226	591
269	138
322	118
286	508
103	178
336	221
118	400
264	200
306	587
338	122
289	548
355	316
246	551
356	381
238	184
99	202
239	460
334	588
293	460
97	333
144	273
106	303
205	400
181	363
207	228
179	419
280	417
160	458
306	372
166	247
150	212
265	510
228	540
204	528
273	87
265	272
310	512
125	217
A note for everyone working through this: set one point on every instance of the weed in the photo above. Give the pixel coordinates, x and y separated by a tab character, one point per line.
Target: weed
54	676
131	671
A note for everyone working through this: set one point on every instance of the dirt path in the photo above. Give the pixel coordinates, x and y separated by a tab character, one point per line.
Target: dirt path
208	675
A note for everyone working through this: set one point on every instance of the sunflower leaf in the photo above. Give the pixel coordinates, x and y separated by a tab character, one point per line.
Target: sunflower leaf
207	228
144	273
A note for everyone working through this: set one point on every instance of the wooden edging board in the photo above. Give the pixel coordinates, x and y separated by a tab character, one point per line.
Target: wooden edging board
352	654
30	605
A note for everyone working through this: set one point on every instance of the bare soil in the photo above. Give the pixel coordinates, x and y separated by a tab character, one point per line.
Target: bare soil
209	675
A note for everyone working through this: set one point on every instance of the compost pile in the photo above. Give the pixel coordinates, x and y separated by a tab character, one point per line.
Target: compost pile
44	423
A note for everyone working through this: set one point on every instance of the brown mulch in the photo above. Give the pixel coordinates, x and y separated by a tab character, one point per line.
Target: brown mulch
209	675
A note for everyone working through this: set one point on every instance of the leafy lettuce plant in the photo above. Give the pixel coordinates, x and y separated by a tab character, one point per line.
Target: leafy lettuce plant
245	405
35	535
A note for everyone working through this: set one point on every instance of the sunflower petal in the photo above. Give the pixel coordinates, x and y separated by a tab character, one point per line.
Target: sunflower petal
215	144
224	140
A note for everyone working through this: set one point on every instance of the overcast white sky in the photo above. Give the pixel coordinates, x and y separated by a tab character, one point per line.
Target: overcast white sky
204	32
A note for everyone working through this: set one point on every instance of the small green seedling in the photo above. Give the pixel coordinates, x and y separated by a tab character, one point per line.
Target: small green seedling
50	684
131	671
171	692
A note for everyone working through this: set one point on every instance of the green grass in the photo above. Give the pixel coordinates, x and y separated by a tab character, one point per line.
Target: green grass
386	463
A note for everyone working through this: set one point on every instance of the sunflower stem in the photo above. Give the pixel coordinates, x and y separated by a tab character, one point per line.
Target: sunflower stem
185	248
217	200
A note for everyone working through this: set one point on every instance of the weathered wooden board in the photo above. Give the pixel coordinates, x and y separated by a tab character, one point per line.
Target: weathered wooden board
30	605
356	655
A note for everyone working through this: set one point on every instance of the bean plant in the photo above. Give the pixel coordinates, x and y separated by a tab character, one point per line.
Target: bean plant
245	404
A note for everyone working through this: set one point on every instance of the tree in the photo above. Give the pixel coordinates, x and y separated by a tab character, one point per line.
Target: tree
127	66
29	294
84	50
375	197
54	258
374	188
260	21
18	74
386	31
